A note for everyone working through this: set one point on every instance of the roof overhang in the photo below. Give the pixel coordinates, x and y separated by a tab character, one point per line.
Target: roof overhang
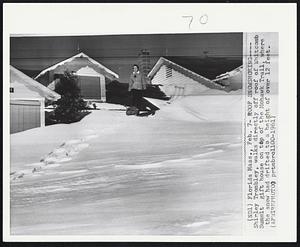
201	79
81	54
20	77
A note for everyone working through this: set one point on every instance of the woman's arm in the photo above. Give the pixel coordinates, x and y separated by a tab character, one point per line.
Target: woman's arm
130	84
144	82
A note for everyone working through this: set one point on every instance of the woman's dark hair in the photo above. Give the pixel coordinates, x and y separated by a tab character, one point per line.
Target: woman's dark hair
136	66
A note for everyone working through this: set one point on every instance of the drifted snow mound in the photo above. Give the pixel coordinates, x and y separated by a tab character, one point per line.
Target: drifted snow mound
211	108
233	79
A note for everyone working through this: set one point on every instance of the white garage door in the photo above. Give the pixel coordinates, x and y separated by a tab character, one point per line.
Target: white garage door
24	115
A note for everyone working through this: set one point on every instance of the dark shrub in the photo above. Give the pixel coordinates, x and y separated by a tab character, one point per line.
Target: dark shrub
70	105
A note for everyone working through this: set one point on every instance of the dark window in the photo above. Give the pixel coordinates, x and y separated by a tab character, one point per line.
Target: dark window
168	72
11	89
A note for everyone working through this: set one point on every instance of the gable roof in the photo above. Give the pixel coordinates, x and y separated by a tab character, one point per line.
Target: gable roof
29	84
79	55
199	78
209	67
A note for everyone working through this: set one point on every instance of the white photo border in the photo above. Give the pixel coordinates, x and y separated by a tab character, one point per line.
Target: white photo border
46	20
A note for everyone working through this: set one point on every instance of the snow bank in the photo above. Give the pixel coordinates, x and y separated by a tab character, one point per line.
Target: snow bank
107	106
113	174
233	79
215	108
193	101
34	144
56	143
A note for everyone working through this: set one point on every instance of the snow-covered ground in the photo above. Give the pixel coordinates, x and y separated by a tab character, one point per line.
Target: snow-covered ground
178	172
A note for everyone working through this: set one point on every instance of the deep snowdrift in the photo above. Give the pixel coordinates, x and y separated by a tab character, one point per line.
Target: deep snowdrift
175	173
213	107
232	79
192	101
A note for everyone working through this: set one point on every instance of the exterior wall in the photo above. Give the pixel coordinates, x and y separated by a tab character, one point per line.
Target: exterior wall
26	114
103	88
177	84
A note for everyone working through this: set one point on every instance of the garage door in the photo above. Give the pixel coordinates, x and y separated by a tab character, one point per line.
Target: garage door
90	87
24	115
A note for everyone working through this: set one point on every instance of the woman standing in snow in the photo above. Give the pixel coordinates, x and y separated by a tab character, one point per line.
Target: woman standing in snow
137	84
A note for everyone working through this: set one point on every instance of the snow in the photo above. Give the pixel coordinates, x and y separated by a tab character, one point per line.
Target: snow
197	224
81	54
106	106
163	60
26	87
232	78
236	71
221	107
175	173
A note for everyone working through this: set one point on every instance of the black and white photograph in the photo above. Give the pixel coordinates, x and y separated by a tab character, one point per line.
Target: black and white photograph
129	130
126	134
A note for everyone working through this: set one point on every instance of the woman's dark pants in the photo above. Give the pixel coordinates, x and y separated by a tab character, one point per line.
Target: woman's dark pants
139	102
136	97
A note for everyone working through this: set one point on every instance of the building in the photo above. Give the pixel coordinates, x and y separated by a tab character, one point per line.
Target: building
27	101
177	80
92	76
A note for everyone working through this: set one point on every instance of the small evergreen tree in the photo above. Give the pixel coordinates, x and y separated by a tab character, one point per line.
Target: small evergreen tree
71	103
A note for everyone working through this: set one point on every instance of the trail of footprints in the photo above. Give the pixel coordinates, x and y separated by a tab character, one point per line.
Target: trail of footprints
63	153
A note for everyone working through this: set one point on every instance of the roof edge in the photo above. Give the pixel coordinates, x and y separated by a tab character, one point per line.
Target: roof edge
36	84
80	54
161	61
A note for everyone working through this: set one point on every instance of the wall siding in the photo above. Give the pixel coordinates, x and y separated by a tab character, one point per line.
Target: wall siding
103	88
24	115
178	84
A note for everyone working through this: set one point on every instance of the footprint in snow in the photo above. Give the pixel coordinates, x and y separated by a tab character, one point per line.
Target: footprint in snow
36	169
17	175
63	153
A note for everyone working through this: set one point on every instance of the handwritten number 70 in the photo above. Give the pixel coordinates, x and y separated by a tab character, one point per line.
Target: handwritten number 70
203	19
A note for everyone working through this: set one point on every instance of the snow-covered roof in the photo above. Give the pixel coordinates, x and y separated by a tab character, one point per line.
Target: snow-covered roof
229	74
81	54
24	85
163	61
